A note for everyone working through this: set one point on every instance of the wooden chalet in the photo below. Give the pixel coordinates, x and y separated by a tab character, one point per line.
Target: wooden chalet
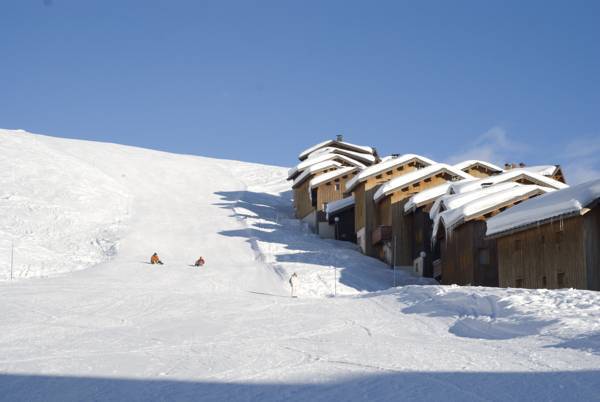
392	234
367	182
340	215
478	168
326	188
467	256
304	173
552	241
417	211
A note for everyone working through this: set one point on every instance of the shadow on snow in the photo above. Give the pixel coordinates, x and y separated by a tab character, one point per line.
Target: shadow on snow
276	225
423	386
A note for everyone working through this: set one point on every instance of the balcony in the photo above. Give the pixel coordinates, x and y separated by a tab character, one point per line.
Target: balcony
381	234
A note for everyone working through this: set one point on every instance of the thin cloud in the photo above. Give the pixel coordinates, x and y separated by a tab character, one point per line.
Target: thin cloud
582	162
493	146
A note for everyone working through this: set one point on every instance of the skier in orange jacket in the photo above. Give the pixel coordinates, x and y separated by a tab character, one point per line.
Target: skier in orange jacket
155	260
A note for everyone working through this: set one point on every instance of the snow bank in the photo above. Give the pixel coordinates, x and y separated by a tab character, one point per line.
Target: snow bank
61	212
564	202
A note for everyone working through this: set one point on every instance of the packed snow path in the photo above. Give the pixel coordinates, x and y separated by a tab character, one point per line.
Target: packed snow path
126	330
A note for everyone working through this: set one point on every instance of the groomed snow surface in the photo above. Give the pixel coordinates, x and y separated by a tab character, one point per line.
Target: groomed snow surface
126	330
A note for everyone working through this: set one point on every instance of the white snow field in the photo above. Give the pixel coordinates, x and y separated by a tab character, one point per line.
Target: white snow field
123	329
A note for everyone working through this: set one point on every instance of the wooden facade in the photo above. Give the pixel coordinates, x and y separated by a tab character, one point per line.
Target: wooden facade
303	205
331	190
562	253
422	226
468	257
481	171
365	209
402	244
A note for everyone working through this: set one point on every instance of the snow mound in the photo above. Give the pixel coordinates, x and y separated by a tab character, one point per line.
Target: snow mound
61	213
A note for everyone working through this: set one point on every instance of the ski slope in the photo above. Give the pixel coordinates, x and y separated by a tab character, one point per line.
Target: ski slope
87	318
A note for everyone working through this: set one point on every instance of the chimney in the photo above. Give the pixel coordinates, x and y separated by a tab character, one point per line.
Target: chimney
507	166
394	156
521	164
339	138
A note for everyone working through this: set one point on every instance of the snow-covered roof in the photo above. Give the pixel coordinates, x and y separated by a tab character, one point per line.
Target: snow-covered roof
293	172
451	201
425	197
565	202
314	169
452	218
509	175
325	177
339	144
545	170
470	163
337	206
416	176
359	156
374	170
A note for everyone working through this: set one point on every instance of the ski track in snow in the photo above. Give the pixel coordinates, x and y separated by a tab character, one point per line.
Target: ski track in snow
126	330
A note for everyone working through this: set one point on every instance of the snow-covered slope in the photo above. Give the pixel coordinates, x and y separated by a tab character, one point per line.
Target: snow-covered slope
126	330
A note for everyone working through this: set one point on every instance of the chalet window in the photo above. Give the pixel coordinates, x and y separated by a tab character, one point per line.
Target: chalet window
560	280
400	168
484	256
416	184
519	283
378	176
389	172
427	180
337	186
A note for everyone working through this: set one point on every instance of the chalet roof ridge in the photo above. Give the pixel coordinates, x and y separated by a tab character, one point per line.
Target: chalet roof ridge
358	148
366	157
470	162
451	201
317	167
455	217
506	176
417	175
325	177
558	204
296	170
374	170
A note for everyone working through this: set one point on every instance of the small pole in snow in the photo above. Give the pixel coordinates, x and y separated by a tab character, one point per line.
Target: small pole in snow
334	281
394	260
12	255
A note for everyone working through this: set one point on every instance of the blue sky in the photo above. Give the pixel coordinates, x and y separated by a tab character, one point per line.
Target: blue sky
262	80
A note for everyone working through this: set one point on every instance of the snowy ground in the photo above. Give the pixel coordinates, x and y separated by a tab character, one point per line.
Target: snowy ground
125	330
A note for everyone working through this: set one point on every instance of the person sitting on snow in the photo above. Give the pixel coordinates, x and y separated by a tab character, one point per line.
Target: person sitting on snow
293	281
155	260
199	262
